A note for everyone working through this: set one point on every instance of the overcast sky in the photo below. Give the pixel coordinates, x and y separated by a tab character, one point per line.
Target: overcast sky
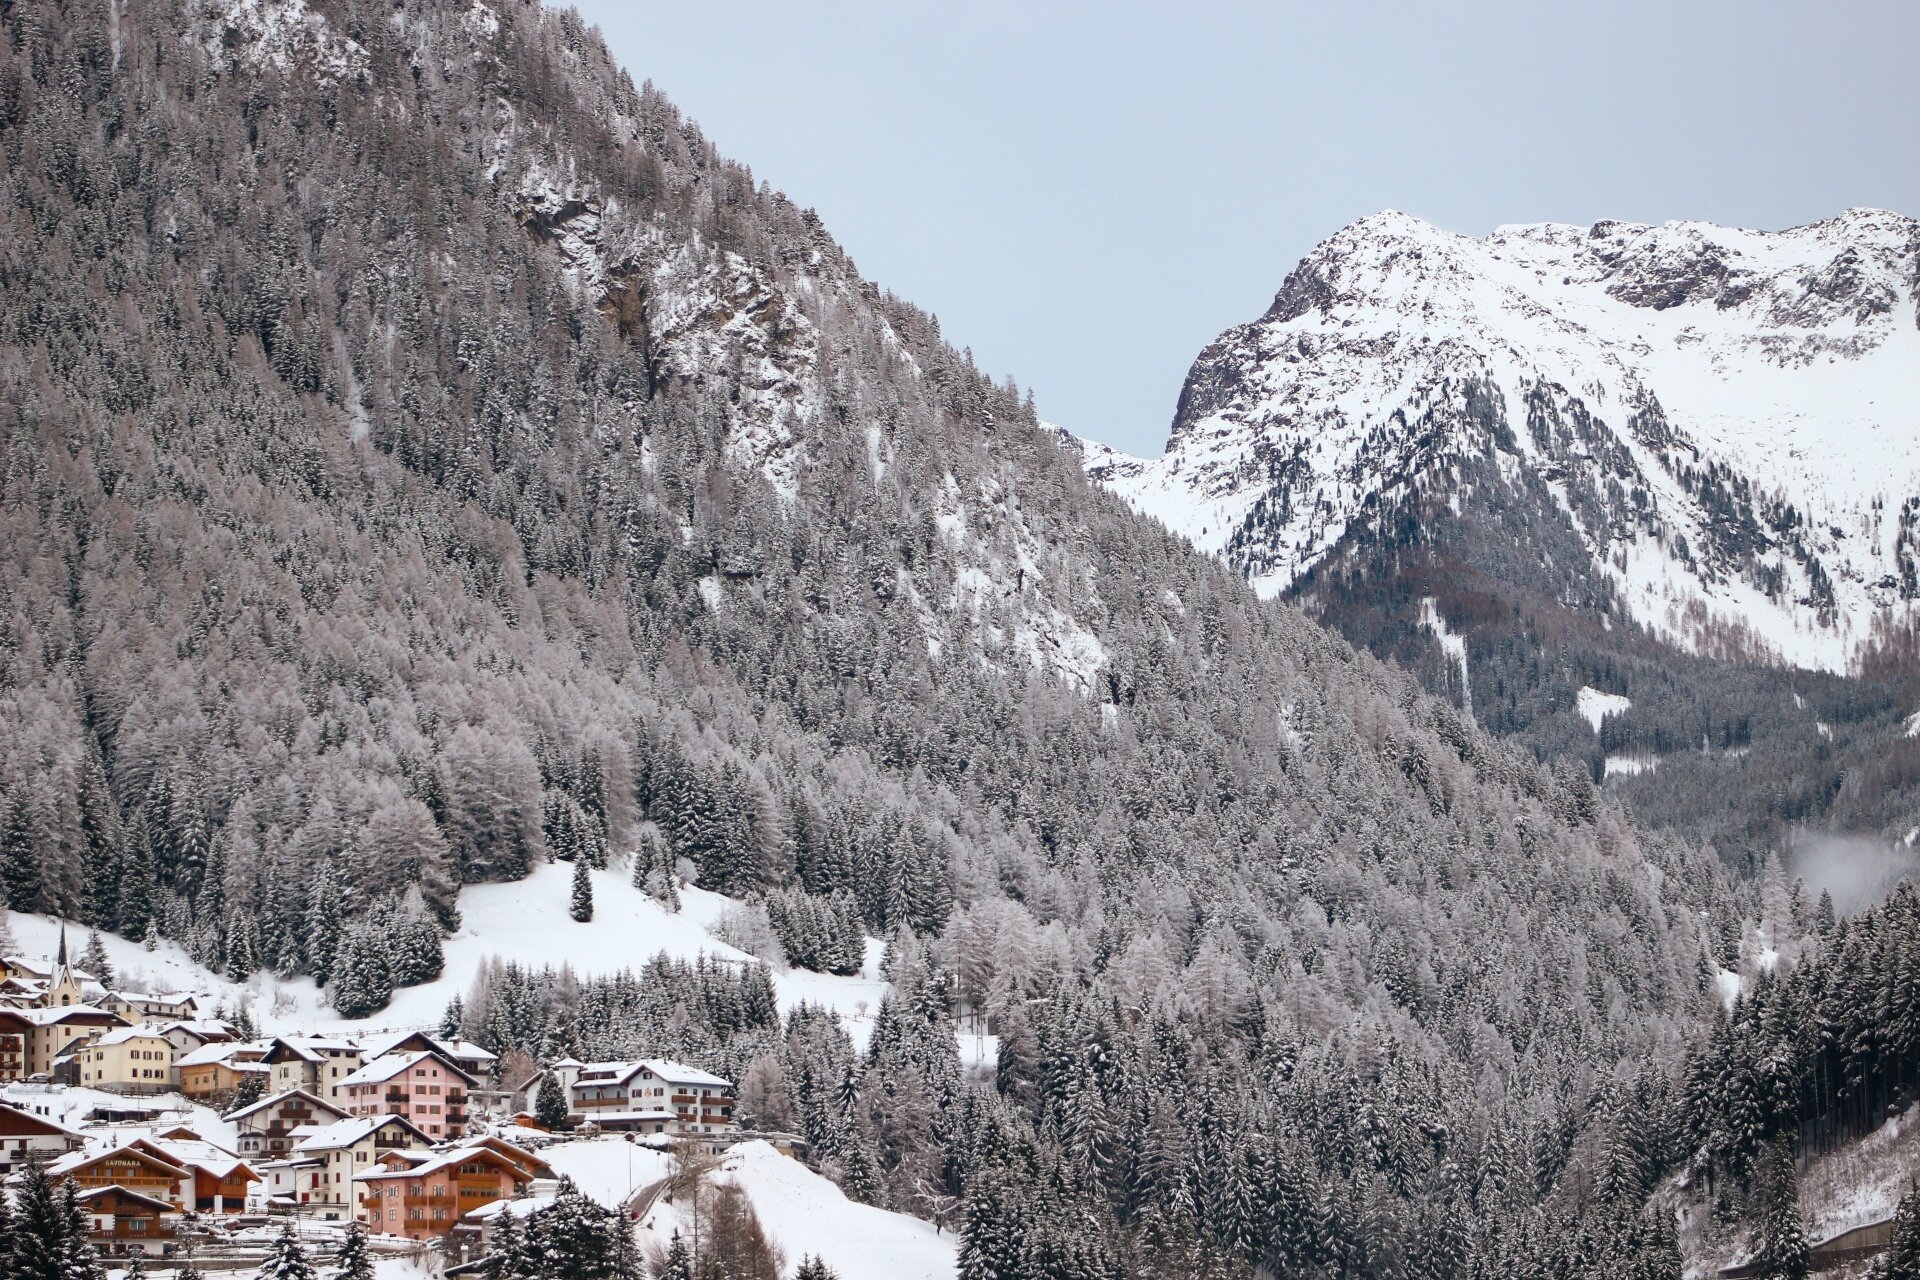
1087	194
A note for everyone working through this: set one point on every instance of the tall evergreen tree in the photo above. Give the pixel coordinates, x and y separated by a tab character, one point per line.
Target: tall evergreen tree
94	959
353	1261
1783	1252
550	1103
581	905
287	1260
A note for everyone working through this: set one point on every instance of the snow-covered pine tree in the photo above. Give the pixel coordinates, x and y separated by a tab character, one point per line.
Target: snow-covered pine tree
19	863
362	980
324	923
550	1103
287	1260
573	1237
353	1261
1901	1261
48	1231
812	1267
678	1264
251	1089
1783	1252
453	1019
508	1261
580	906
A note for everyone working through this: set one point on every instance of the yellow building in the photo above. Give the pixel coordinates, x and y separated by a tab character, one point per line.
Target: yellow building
55	1029
128	1060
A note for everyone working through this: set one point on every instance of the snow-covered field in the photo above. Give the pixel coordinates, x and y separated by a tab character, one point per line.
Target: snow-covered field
1595	706
802	1212
525	921
809	1215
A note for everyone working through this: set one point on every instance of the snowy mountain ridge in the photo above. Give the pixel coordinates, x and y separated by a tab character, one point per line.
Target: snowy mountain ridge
1728	420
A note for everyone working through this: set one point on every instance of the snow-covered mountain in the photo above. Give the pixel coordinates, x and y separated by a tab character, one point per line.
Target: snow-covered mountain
1725	423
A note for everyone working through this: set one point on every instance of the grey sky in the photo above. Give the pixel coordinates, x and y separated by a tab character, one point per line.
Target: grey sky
1087	194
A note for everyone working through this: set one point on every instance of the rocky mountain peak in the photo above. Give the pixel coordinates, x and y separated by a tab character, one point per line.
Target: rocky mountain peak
1782	365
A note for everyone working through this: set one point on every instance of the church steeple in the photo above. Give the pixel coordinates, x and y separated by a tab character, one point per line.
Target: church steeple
62	987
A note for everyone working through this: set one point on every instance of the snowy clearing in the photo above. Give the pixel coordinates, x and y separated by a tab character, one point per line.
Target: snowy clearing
1595	706
524	921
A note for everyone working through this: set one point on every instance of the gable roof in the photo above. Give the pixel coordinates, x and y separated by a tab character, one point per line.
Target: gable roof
31	1123
206	1030
126	1035
92	1193
91	1014
386	1068
344	1133
74	1161
434	1162
454	1050
278	1098
234	1053
307	1048
681	1073
195	1154
527	1160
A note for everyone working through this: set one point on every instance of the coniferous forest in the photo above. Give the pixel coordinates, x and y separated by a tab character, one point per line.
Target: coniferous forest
423	455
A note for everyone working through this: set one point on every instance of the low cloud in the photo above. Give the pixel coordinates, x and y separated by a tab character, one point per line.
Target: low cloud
1858	871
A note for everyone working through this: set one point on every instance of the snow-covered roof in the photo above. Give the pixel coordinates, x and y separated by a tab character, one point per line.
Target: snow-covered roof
383	1069
81	1159
671	1071
681	1073
52	1126
603	1073
225	1052
278	1098
313	1048
206	1028
124	1035
199	1154
627	1117
468	1051
47	1017
344	1133
94	1193
436	1161
458	1051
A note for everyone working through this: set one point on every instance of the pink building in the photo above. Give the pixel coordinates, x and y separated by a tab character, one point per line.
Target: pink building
421	1087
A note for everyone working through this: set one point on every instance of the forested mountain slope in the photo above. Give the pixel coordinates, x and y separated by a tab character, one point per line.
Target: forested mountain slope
1672	464
424	455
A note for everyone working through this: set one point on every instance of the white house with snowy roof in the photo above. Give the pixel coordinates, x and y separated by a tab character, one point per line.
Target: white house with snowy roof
652	1095
317	1175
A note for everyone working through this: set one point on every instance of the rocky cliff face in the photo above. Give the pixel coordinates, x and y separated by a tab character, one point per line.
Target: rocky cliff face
1722	426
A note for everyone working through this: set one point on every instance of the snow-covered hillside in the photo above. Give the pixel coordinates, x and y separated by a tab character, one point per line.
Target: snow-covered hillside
1728	419
524	921
803	1213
